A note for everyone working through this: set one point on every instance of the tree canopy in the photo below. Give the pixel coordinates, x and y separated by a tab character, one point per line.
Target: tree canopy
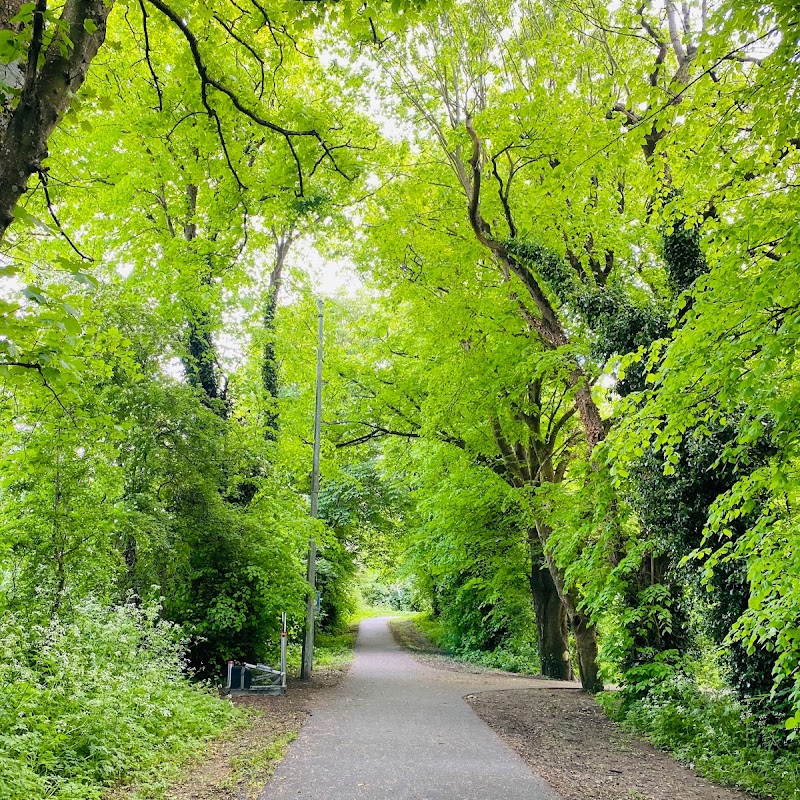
560	392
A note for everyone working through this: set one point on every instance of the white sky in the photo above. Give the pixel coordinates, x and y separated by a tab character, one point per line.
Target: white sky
330	278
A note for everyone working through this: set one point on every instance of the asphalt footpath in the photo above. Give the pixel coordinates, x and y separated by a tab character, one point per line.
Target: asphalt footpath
398	729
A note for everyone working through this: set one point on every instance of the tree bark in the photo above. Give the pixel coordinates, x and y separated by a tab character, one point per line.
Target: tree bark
8	9
588	412
200	364
586	644
585	631
551	617
548	325
45	96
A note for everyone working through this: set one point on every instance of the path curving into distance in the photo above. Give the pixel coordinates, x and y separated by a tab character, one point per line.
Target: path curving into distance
397	729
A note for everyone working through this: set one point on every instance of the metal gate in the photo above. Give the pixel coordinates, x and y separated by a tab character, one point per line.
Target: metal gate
247	678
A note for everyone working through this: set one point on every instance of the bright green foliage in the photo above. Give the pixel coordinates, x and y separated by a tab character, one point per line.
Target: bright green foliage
469	551
574	355
381	593
412	376
731	360
99	699
134	459
514	655
331	651
592	181
721	738
361	508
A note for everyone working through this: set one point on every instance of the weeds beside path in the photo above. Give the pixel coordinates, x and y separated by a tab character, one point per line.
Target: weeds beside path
238	764
409	634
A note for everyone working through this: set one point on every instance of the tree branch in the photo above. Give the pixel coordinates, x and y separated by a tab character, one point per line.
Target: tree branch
147	58
377	432
43	182
206	81
46	94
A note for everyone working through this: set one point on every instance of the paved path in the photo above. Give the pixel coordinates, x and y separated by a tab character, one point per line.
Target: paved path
397	729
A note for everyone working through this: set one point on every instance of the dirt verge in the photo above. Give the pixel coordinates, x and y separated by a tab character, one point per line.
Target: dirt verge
238	766
563	735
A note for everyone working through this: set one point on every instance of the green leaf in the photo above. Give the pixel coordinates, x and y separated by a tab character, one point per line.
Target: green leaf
25	14
35	294
84	279
25	216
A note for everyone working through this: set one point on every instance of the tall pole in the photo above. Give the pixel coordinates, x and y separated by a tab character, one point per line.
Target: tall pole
311	573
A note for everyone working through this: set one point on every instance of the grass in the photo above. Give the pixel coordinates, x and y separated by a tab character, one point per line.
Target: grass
370	612
430	627
252	770
237	763
335	650
331	651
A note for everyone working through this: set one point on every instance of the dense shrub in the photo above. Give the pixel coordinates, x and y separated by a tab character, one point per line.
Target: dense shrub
96	699
517	654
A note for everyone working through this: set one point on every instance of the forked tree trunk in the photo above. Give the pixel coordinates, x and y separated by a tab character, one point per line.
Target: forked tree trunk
551	617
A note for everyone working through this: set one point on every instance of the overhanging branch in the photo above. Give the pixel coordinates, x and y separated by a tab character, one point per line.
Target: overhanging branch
208	81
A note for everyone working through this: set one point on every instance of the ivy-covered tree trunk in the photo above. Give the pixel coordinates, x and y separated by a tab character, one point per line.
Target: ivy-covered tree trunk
200	364
47	82
200	361
657	585
551	617
269	365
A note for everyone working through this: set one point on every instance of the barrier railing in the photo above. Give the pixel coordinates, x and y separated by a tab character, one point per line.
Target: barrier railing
259	678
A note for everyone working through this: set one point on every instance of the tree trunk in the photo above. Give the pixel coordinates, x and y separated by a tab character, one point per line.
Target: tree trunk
269	365
200	364
588	412
585	632
9	9
46	94
586	643
551	617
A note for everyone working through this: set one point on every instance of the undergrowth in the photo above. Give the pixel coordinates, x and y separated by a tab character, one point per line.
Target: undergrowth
334	650
331	651
511	656
248	771
99	699
719	736
254	769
